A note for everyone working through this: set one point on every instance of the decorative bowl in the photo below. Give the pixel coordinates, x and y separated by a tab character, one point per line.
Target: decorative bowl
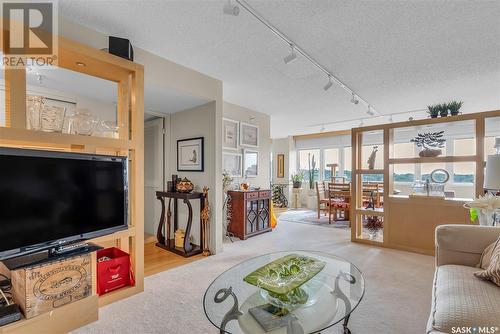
184	186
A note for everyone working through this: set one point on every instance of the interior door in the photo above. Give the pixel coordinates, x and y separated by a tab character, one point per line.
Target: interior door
154	179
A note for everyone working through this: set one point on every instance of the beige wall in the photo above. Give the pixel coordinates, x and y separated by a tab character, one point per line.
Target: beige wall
160	72
263	121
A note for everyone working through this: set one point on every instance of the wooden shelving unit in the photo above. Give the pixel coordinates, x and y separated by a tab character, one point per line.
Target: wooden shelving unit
129	78
409	223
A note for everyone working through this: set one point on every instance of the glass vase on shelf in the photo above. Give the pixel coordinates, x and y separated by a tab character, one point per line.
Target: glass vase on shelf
34	106
83	122
52	118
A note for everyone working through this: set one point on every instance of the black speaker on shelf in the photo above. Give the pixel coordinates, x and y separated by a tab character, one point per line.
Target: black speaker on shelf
121	47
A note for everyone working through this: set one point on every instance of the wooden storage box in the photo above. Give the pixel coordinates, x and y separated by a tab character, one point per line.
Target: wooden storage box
42	288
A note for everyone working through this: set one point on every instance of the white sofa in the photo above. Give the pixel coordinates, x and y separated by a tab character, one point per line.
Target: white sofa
459	299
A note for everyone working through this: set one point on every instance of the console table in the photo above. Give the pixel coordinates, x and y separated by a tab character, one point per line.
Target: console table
249	212
164	240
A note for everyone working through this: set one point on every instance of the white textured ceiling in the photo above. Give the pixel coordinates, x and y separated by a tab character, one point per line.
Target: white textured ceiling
398	55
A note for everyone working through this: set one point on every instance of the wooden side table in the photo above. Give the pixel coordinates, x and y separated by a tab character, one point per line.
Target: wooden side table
296	197
163	238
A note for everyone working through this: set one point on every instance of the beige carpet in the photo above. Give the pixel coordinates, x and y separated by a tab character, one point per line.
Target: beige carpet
397	298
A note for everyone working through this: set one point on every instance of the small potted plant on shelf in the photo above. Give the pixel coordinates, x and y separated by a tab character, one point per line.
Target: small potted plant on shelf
443	109
373	225
297	179
454	107
430	143
433	110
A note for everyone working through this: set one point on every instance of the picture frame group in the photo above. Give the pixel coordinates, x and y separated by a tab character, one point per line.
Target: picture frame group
238	135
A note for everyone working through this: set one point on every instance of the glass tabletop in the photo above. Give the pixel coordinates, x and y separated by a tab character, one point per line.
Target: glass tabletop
284	292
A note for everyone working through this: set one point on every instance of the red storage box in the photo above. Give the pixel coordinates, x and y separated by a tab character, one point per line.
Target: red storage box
113	273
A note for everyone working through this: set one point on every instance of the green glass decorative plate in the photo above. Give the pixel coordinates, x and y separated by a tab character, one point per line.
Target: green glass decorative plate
285	274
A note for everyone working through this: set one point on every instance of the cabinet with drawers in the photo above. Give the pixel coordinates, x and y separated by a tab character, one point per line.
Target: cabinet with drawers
249	212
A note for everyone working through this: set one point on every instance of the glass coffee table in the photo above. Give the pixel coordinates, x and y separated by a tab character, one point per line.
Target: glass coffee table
299	292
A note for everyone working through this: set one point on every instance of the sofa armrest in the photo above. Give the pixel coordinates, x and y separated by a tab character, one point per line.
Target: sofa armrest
463	244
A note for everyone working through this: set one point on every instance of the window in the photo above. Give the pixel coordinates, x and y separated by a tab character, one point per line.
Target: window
306	157
464	172
465	146
427	169
347	163
330	156
489	147
404	173
404	150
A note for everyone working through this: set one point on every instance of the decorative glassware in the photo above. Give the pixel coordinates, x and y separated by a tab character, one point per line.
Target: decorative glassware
83	123
108	129
34	105
419	187
52	118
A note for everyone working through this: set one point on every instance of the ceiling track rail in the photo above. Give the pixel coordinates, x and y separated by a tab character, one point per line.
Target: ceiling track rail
329	75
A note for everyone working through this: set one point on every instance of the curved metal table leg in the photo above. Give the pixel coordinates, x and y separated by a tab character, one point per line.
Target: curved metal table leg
340	294
187	244
233	313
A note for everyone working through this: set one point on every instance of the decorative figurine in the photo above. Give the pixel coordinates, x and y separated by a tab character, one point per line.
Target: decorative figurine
373	156
205	223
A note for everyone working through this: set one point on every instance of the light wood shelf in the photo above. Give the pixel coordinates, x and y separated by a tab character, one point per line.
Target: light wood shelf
25	137
379	212
129	77
419	160
60	320
410	223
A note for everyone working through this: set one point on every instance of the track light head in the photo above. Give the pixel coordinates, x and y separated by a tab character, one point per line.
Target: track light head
231	9
291	57
391	120
354	100
370	111
322	128
329	84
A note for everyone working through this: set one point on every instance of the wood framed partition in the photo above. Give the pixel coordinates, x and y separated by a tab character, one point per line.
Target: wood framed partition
409	222
129	78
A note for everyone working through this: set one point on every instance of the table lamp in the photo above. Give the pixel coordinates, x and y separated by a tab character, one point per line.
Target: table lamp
492	175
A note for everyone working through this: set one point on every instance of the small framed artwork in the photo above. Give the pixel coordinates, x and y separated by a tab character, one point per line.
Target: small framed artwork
249	135
280	166
230	132
190	155
251	163
232	164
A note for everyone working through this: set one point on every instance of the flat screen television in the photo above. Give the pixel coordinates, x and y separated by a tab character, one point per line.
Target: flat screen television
48	199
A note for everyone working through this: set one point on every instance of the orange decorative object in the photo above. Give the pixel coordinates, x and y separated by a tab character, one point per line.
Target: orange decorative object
244	186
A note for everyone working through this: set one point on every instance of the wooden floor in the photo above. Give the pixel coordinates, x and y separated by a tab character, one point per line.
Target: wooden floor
157	259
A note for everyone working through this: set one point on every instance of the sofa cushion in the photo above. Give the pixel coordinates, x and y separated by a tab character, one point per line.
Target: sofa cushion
486	256
492	273
462	300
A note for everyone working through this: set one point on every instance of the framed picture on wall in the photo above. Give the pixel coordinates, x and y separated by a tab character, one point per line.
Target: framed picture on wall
249	135
251	163
280	166
232	164
230	132
190	155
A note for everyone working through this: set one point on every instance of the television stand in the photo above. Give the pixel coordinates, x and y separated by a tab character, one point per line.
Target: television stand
48	255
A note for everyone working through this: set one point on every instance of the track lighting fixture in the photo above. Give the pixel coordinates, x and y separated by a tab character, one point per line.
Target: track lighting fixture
322	128
354	100
370	111
231	9
291	57
390	119
329	84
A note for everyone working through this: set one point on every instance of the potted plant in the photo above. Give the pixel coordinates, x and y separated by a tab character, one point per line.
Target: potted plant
433	110
373	225
454	107
312	169
297	179
443	109
430	143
